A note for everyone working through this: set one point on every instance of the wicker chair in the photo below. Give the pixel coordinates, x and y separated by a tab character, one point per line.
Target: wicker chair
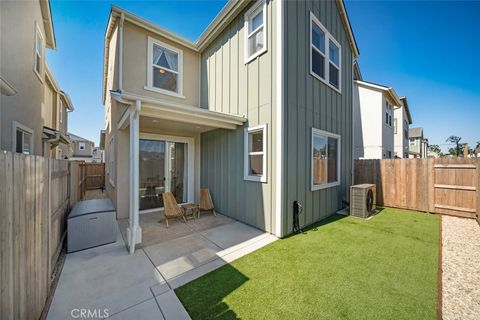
171	208
206	203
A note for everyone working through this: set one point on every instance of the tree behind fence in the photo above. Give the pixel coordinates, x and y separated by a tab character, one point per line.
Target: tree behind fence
34	201
442	185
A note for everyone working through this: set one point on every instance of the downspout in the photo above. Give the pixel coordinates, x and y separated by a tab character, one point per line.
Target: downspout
279	123
353	124
120	53
135	231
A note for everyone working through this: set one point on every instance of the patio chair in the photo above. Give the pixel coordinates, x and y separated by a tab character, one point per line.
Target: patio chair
206	203
171	208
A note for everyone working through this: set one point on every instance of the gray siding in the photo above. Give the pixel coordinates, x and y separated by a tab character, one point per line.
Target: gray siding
311	103
230	86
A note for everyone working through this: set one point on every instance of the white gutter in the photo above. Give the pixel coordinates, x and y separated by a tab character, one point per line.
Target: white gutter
120	53
279	123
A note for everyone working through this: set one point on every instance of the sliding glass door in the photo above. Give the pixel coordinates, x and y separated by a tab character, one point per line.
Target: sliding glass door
163	168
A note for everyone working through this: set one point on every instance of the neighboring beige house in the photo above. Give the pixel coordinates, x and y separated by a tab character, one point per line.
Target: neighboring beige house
33	109
401	123
82	149
55	109
418	145
373	126
258	110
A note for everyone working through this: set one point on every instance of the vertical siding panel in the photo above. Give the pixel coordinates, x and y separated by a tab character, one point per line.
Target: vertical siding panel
234	62
245	90
225	71
218	74
242	73
311	102
212	75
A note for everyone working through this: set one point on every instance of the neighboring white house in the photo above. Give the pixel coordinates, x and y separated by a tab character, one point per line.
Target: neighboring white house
401	124
373	116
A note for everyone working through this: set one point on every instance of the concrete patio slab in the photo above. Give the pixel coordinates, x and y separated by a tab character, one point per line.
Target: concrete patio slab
177	256
106	277
231	234
140	286
146	310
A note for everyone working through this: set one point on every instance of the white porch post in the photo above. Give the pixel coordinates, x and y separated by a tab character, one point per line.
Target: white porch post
134	231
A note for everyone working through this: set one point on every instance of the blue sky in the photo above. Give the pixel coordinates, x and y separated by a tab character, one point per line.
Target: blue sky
427	51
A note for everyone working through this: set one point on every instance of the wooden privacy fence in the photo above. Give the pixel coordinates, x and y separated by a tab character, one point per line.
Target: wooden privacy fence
34	202
441	185
86	176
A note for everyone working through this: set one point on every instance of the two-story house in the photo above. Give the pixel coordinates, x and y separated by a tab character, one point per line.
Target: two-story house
418	144
374	108
55	108
33	109
402	121
258	110
81	148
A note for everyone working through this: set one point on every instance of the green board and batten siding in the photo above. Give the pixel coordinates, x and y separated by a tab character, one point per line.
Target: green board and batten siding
231	86
311	103
228	85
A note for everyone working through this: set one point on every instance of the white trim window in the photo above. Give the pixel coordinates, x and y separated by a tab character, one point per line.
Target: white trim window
255	160
38	53
81	146
255	26
405	130
325	159
23	139
325	55
388	113
164	69
60	111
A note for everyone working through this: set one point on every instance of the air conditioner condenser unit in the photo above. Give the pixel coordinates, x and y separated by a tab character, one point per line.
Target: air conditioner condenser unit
363	200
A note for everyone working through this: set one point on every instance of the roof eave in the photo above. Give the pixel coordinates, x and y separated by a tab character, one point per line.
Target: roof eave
67	100
48	24
407	109
348	27
228	12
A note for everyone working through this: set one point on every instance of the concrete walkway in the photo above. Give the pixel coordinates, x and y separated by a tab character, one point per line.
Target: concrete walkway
107	282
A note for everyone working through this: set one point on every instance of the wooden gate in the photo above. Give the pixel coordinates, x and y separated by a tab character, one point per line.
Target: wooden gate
455	185
94	175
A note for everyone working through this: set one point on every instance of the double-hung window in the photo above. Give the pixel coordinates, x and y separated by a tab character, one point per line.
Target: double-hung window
325	55
388	113
255	30
38	60
164	73
60	111
255	161
23	139
325	159
81	145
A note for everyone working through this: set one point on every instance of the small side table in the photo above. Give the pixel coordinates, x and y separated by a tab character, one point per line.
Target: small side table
190	210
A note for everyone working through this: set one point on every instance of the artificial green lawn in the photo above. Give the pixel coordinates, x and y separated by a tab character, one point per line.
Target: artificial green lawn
343	268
